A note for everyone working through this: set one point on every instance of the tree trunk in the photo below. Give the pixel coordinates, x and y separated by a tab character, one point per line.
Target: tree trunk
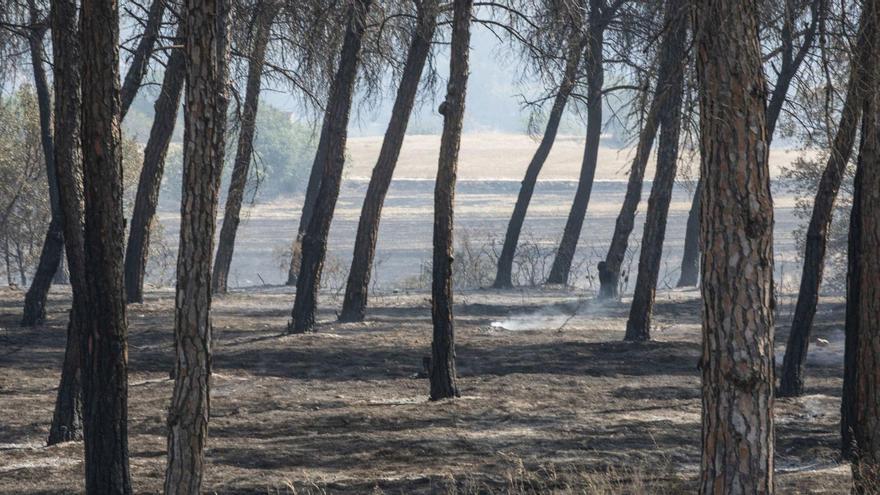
609	269
670	90
34	311
314	241
354	305
792	377
443	375
863	306
231	214
140	60
848	415
138	248
737	239
595	79
690	260
504	274
207	96
67	418
308	207
104	336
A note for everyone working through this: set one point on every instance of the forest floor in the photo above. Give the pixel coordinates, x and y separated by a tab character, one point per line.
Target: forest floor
551	403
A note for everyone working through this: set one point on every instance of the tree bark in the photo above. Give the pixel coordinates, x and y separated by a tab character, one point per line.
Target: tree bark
332	154
848	415
443	374
140	61
670	91
792	376
244	153
308	206
207	96
597	20
504	273
67	418
34	311
863	306
104	336
354	304
138	247
690	260
737	240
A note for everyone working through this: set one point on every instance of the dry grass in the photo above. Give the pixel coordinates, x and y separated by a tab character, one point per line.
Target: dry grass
505	156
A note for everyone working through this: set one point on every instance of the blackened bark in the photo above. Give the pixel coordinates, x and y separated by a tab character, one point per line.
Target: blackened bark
244	153
207	97
67	418
354	304
104	336
597	20
138	247
443	374
314	241
737	240
863	306
792	375
140	61
504	274
308	206
690	259
638	326
34	311
848	416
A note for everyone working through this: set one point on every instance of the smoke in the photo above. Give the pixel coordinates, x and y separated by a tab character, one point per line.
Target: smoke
541	320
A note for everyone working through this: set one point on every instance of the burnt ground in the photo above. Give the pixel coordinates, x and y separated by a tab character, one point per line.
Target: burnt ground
558	405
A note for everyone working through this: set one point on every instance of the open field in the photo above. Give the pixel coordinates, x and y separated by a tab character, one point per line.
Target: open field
483	210
505	156
552	403
491	168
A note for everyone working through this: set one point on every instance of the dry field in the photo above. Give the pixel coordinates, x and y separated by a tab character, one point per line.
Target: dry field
553	401
505	156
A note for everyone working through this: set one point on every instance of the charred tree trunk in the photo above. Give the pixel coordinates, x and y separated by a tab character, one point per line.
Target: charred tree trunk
504	274
235	196
104	336
140	60
638	326
848	415
308	207
792	379
53	246
690	260
207	97
354	305
138	248
609	270
561	267
443	375
863	306
67	418
737	239
314	242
